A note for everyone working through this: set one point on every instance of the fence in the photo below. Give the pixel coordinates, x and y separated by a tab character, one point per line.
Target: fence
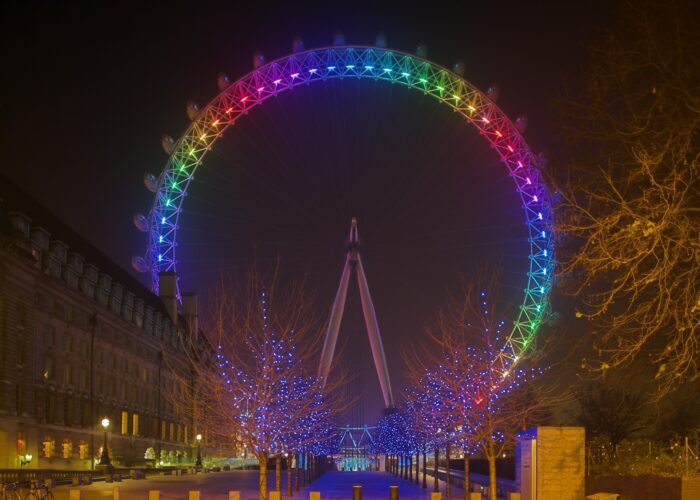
643	456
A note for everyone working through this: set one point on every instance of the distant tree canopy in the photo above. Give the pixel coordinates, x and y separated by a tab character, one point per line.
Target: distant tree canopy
628	210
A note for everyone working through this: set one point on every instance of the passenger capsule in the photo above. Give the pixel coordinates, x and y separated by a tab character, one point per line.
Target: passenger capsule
258	59
297	45
521	123
140	222
458	68
139	264
492	92
192	110
339	38
168	144
222	81
150	181
422	50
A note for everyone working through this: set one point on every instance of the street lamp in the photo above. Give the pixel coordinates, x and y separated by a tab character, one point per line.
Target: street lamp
104	458
25	460
198	463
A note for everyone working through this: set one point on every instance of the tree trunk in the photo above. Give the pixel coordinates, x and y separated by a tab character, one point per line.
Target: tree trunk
425	469
410	467
436	488
466	475
492	471
278	472
262	494
302	464
296	472
289	474
448	478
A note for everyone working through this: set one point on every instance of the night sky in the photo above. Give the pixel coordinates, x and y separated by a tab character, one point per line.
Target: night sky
87	92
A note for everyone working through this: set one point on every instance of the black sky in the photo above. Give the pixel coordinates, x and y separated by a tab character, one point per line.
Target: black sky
87	90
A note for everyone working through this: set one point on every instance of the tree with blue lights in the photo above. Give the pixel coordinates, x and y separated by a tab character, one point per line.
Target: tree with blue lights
468	391
262	392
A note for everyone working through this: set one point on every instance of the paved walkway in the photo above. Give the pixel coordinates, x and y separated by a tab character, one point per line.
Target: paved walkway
375	486
216	485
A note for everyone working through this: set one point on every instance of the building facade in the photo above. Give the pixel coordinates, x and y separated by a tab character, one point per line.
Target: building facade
81	340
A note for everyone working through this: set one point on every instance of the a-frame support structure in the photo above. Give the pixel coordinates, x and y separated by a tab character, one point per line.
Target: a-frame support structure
353	262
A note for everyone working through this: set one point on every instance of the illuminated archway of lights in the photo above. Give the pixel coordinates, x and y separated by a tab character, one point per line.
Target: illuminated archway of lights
382	65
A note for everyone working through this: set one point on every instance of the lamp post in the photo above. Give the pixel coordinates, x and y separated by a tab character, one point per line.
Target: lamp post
25	460
104	458
198	463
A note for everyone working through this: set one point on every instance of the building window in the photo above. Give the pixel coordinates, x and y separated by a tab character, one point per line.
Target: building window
114	361
113	388
144	375
67	448
21	352
83	450
85	415
67	374
49	447
49	335
21	315
162	430
19	399
68	411
179	433
48	368
125	422
50	410
135	424
172	431
83	378
68	343
122	391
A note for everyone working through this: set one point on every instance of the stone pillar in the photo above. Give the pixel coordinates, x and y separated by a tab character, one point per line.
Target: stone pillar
550	463
167	291
190	311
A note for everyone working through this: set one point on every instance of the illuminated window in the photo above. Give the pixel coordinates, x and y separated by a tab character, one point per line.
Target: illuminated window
144	375
67	448
49	447
125	422
172	431
135	424
83	450
179	433
162	430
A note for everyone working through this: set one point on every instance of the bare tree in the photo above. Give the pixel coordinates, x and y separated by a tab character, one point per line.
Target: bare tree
629	208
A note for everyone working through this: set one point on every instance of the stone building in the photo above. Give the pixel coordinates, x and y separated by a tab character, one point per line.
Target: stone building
80	340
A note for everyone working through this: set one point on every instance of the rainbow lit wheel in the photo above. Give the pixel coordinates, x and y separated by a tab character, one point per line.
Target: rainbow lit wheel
381	65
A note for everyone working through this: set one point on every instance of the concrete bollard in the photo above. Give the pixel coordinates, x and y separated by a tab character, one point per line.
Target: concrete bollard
75	481
513	496
115	493
75	494
435	495
234	495
315	495
193	495
153	494
274	495
356	492
393	492
475	496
